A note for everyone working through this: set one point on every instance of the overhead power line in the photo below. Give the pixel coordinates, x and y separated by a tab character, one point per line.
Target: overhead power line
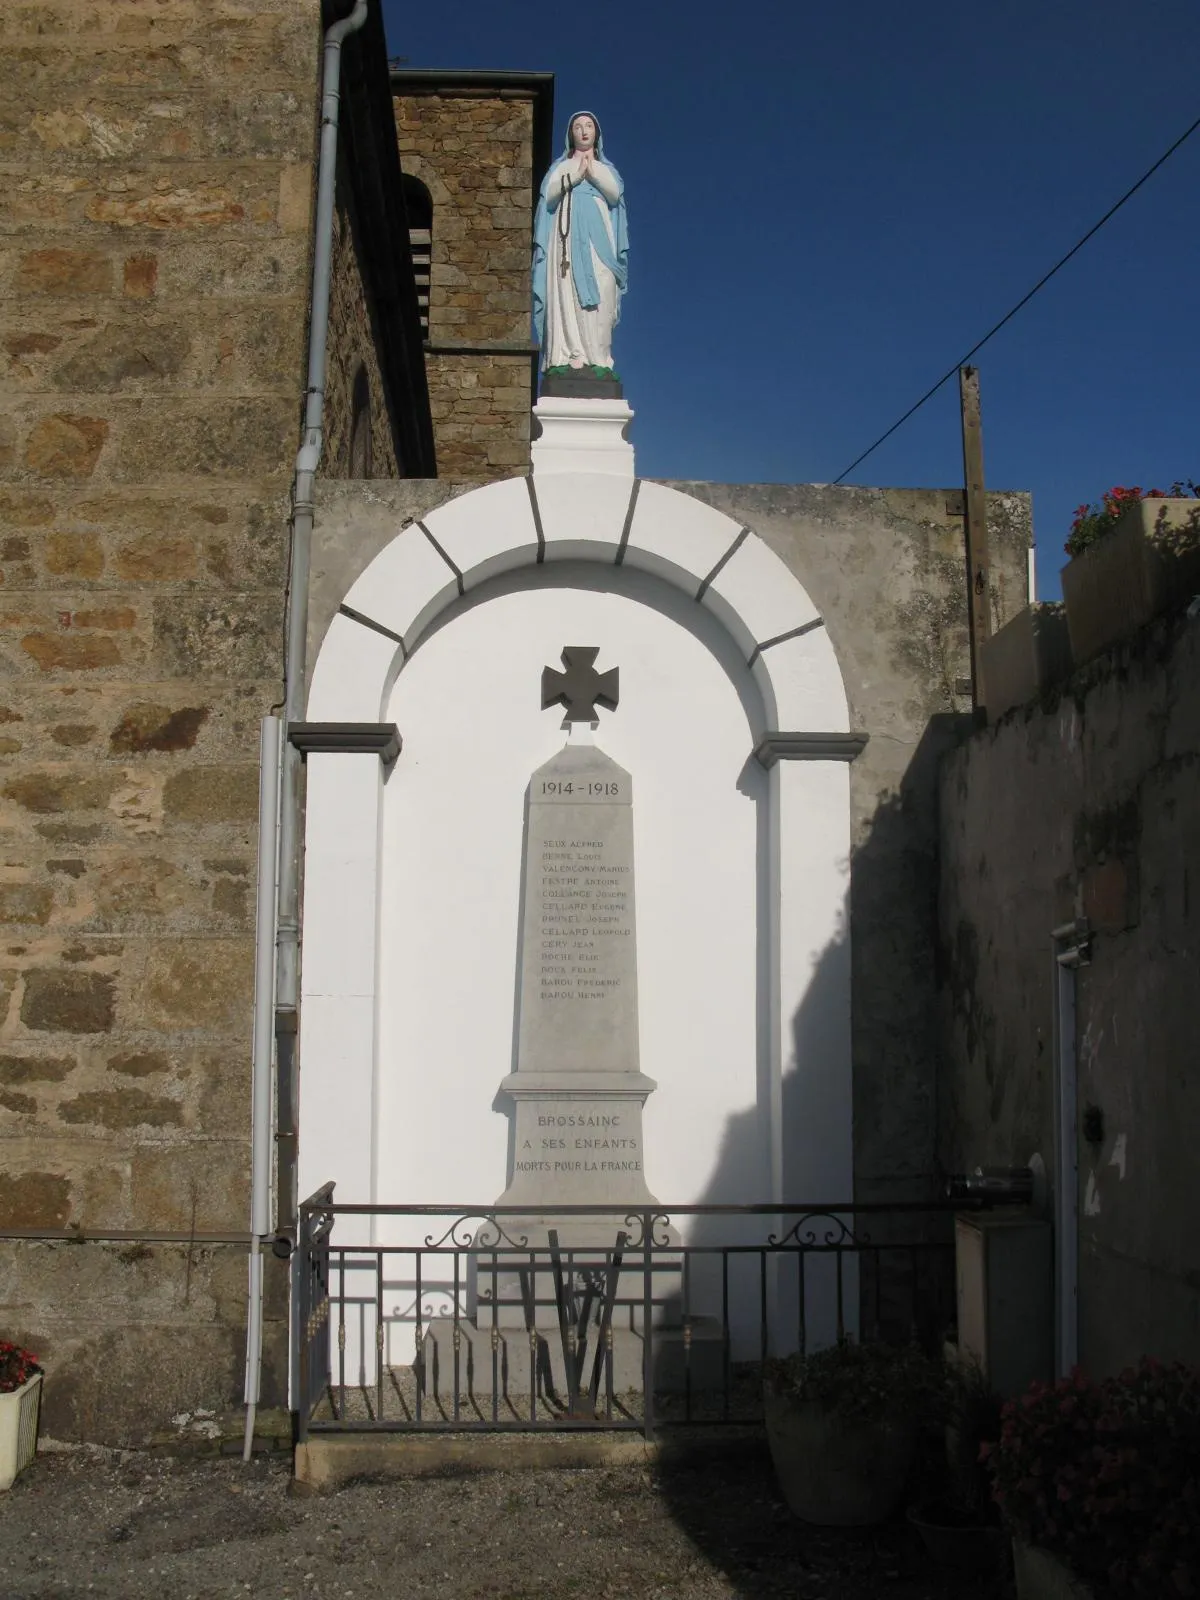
1024	301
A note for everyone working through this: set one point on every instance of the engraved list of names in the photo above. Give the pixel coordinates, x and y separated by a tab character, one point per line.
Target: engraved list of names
579	962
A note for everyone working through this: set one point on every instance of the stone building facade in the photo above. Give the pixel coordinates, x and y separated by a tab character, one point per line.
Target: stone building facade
154	271
479	142
155	239
359	439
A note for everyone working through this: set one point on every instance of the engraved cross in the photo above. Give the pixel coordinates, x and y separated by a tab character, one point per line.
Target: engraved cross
580	688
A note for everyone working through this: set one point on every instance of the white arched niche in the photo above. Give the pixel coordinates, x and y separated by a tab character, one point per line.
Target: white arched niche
450	871
733	724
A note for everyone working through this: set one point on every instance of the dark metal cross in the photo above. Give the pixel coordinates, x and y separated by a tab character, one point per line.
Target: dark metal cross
580	688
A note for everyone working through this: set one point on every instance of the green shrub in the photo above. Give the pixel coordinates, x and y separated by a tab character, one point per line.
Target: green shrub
865	1383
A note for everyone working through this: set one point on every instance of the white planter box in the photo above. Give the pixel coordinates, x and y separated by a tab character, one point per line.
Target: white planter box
18	1429
1149	561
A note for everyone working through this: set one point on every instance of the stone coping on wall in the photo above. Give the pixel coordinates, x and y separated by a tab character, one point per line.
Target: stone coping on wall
776	746
348	738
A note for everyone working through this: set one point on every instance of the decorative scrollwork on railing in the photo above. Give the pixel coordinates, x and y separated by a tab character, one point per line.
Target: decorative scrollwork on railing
407	1311
660	1230
437	1303
656	1223
820	1230
476	1230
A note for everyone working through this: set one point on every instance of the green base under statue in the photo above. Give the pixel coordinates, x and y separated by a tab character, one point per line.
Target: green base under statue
582	383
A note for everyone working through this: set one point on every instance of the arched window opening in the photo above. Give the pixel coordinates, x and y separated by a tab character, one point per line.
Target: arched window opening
418	207
360	426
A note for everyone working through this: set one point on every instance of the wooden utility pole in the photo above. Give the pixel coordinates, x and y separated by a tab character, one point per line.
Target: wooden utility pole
979	595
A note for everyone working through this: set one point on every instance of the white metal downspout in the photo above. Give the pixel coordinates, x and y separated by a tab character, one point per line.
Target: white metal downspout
283	918
261	1126
1069	947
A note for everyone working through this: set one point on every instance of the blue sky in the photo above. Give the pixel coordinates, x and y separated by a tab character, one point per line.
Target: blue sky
829	203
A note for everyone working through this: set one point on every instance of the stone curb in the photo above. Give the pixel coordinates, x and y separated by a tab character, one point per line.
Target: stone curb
326	1463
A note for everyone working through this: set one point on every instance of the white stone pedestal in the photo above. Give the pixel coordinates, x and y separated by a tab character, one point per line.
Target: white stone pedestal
499	1362
582	436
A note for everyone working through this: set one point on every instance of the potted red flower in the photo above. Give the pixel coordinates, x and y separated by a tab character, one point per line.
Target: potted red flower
1100	1484
1134	555
20	1398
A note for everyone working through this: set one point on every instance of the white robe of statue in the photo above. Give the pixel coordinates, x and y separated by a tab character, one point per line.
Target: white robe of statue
576	337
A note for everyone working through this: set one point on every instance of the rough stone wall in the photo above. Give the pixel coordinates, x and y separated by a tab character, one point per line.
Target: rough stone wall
886	569
154	240
1087	805
475	155
353	343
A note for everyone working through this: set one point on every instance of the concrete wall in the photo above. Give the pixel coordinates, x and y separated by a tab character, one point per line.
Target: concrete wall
1087	806
353	343
154	252
474	153
885	569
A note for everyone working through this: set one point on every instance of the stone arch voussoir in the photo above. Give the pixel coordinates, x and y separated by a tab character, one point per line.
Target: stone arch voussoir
502	527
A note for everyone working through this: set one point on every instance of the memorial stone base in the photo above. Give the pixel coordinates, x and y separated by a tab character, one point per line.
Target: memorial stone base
701	1355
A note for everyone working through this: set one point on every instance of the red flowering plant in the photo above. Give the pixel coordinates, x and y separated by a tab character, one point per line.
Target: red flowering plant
1106	1475
1092	522
17	1366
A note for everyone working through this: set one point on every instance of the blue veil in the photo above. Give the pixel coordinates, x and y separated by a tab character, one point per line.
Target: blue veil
587	228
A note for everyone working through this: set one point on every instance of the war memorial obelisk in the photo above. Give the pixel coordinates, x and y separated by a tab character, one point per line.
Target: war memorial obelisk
577	1089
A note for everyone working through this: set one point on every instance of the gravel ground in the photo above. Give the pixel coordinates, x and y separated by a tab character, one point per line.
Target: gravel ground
128	1525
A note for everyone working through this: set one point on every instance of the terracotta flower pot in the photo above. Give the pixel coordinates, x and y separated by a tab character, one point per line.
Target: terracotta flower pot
833	1472
18	1428
1042	1576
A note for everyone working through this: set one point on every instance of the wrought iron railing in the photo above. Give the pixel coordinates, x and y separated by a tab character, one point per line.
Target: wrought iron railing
482	1318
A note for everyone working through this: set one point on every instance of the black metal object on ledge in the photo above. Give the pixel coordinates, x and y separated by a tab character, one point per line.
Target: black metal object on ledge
992	1186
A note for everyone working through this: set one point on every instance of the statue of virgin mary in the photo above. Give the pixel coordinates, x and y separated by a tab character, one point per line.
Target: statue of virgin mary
580	253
